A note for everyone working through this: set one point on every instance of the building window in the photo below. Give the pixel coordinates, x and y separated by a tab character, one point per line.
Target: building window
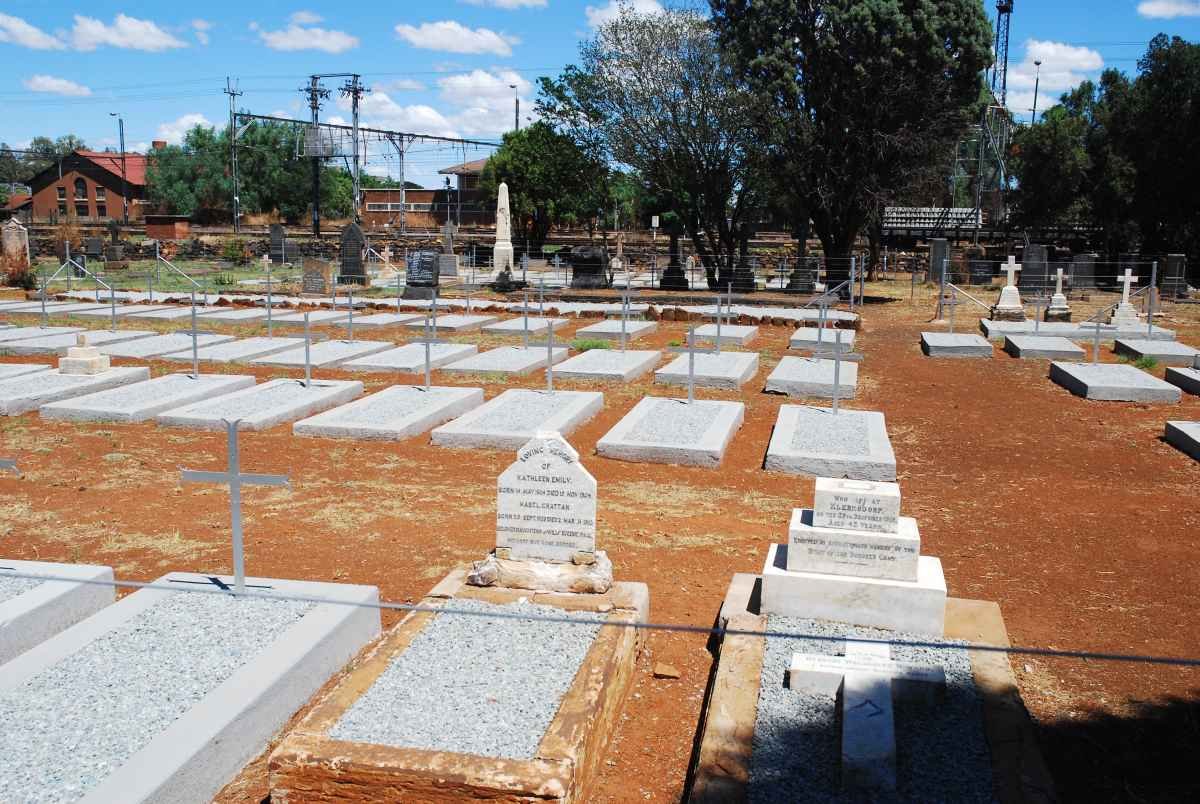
101	194
101	211
80	190
81	209
62	205
62	194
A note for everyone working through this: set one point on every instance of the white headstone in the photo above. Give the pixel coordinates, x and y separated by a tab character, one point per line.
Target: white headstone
15	239
502	252
1126	280
1011	268
546	502
856	505
83	359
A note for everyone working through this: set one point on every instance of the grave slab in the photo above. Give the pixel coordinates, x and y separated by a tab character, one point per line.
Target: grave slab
1114	382
516	326
454	322
1187	379
199	684
120	311
32	611
610	329
393	414
1074	330
514	360
814	441
806	376
59	344
176	313
1168	353
25	333
414	719
729	370
608	364
322	354
731	334
377	320
673	431
10	370
918	606
509	420
807	338
315	318
759	741
264	406
846	551
954	344
410	358
1042	346
35	308
1184	436
239	351
236	314
61	308
31	391
140	401
159	345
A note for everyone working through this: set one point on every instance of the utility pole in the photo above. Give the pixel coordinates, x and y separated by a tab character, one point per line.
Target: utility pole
1036	81
124	181
516	107
316	93
355	91
233	163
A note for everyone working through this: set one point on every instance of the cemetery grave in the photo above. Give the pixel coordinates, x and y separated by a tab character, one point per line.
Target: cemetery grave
1051	347
10	370
377	320
508	360
730	334
33	610
824	443
678	431
397	412
524	324
509	420
820	338
410	358
264	405
714	370
140	401
235	314
177	313
1080	330
120	311
314	317
1187	379
812	377
27	392
241	350
25	333
1184	436
526	713
608	364
158	345
1168	353
60	343
953	344
321	354
611	329
454	323
1112	382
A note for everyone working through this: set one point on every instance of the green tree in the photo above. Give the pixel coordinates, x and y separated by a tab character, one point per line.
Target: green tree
866	96
1051	165
190	179
550	180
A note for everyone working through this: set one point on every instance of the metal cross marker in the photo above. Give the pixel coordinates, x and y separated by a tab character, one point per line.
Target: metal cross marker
235	479
350	322
837	356
1096	344
429	340
267	262
627	296
692	350
307	353
195	342
1150	300
1038	303
952	302
112	309
525	321
541	294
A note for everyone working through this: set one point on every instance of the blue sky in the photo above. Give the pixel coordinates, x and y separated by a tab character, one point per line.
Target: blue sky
438	68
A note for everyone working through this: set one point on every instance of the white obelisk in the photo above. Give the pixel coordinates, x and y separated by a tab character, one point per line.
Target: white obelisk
502	253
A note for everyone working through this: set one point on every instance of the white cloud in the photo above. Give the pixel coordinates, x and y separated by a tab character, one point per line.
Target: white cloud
1063	67
125	32
483	100
597	16
296	36
19	32
305	18
400	85
200	29
174	131
378	110
507	4
56	86
453	37
1169	9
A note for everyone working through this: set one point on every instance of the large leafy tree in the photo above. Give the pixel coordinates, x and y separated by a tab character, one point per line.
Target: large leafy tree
551	180
867	95
653	92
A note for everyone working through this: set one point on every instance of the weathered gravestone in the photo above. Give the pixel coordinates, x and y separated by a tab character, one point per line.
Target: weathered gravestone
1174	277
281	251
546	523
589	267
318	277
353	270
939	255
15	240
1035	271
803	278
1083	271
448	260
114	250
421	278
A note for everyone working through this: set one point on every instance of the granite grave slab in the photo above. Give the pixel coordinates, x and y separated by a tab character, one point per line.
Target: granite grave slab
322	354
238	351
410	358
815	441
315	318
176	313
731	334
31	391
954	344
610	330
517	326
813	338
140	401
59	344
1184	436
158	345
812	377
393	414
516	360
378	320
1050	347
674	431
454	322
32	611
1187	379
25	333
729	370
1114	382
120	311
10	370
608	364
264	406
236	314
1168	353
509	420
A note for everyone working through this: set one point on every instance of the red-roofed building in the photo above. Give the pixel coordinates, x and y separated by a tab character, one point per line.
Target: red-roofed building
18	206
89	186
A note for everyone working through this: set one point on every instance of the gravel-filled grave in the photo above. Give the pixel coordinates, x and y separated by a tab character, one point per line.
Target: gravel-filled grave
525	411
941	751
82	718
675	421
11	587
813	433
468	684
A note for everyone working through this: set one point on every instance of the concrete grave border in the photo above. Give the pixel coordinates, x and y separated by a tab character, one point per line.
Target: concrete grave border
1184	436
878	464
707	450
339	392
325	425
577	408
40	613
1074	378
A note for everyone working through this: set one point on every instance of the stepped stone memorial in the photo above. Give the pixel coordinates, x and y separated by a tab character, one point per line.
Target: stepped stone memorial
853	559
1009	307
1125	317
1058	310
83	359
448	260
502	251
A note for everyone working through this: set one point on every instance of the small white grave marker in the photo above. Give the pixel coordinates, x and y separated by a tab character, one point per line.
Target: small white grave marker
546	503
856	505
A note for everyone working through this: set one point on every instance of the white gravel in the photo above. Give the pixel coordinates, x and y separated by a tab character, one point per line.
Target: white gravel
12	587
673	421
525	411
474	685
820	431
73	724
941	751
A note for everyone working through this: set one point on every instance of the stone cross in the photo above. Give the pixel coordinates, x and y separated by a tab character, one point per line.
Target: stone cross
1011	269
266	262
235	479
1059	274
1126	280
692	350
867	678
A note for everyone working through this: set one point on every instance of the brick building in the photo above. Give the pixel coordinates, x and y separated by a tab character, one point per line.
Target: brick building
88	186
429	209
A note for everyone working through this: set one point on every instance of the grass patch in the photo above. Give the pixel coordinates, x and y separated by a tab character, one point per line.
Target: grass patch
1146	363
587	344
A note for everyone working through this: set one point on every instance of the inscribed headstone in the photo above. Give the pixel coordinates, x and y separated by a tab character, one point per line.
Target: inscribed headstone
278	244
1035	270
546	502
318	276
1174	276
15	244
856	504
353	242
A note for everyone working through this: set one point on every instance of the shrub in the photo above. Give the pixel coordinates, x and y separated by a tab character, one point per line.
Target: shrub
224	280
585	344
234	251
1145	363
22	277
